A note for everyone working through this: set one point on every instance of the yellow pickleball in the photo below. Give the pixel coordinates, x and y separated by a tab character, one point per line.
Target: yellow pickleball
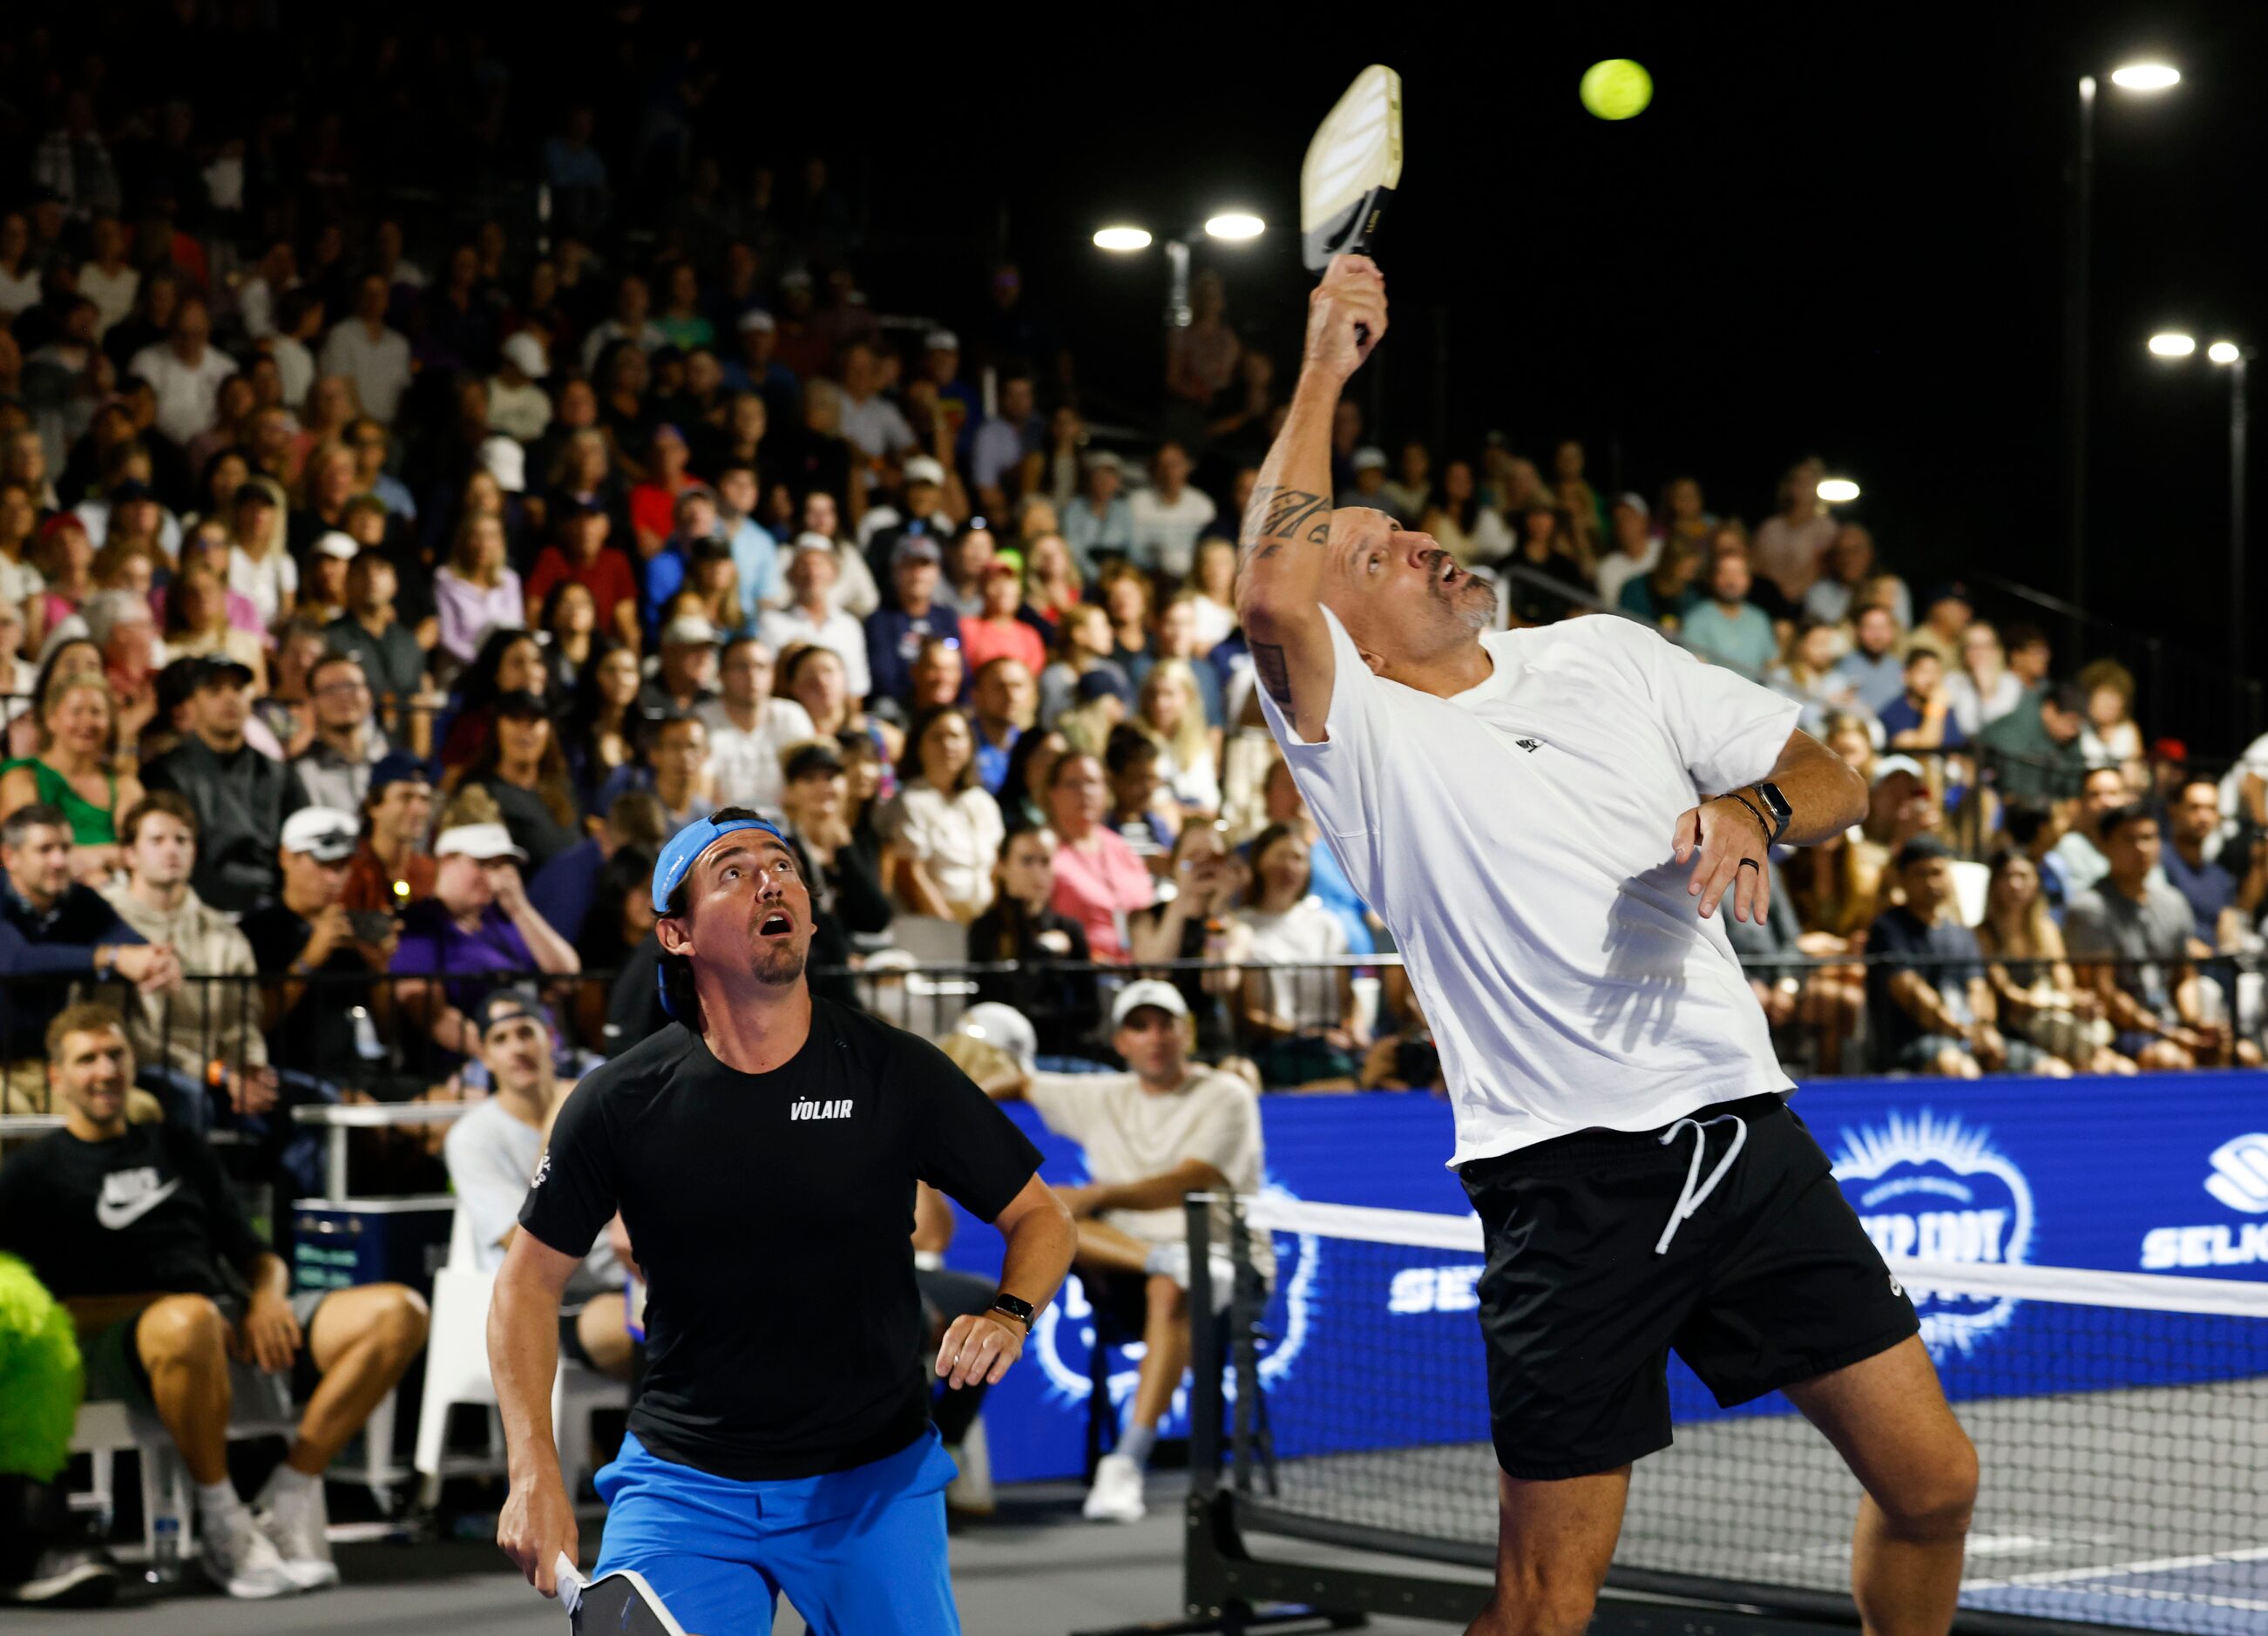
1616	89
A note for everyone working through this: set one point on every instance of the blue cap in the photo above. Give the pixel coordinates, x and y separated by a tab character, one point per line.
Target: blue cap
685	846
682	852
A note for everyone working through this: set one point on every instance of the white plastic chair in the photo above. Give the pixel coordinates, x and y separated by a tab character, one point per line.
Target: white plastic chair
260	1407
457	1371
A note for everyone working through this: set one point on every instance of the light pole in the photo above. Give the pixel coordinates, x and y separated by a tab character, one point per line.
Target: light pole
2233	356
2077	249
1223	226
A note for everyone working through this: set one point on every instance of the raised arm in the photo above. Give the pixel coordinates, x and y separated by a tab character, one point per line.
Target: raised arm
1283	543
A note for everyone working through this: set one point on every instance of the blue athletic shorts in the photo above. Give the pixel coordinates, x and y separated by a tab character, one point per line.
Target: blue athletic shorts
860	1553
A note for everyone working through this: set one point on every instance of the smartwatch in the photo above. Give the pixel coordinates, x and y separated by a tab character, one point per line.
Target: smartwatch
1021	1311
1776	803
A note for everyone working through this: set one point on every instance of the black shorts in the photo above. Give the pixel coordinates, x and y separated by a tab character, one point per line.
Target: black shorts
1770	1281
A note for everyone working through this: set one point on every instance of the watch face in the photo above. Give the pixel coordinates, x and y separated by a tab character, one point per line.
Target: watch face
1776	801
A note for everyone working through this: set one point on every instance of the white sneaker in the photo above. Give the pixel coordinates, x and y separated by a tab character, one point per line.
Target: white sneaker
238	1557
296	1520
1116	1496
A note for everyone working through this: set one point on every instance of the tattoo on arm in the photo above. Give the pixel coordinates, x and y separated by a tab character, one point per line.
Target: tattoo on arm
1277	514
1268	664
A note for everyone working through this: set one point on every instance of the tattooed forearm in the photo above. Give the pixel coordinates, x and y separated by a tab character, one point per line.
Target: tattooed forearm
1277	514
1268	664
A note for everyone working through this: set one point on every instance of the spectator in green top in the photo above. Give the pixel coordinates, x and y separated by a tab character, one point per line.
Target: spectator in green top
1728	627
2034	752
73	771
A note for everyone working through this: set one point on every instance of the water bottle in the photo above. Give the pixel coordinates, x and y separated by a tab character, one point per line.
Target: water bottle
165	1550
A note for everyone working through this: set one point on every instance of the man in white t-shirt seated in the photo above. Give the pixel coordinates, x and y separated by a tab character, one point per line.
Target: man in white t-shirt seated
492	1153
1169	1128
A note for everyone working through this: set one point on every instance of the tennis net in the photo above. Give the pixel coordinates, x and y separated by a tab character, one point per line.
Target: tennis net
2121	1420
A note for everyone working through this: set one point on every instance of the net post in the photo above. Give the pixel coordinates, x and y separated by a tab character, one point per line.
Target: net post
1204	1353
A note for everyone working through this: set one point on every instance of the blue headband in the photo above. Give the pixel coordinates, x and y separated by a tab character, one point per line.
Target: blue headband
683	851
686	846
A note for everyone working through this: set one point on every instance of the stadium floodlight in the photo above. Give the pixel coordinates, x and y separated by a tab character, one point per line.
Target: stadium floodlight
1122	239
2224	352
1235	224
1838	490
2172	344
2146	76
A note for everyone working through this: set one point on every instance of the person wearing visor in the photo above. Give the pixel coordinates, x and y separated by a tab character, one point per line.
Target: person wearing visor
763	1152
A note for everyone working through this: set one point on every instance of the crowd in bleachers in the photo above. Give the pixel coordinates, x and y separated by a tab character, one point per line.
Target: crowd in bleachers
432	562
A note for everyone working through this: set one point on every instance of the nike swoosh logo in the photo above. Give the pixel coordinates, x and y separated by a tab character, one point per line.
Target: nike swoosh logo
114	1216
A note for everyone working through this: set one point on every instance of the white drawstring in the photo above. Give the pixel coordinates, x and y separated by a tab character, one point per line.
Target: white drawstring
1692	1199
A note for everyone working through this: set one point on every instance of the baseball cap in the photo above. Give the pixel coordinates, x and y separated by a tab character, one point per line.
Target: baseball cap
59	522
1952	590
1890	764
1370	459
815	756
217	671
925	468
477	841
916	548
689	630
757	317
942	341
683	850
1921	849
337	545
1002	1025
2169	750
502	1005
1103	460
1101	681
1149	991
253	493
524	352
323	833
814	541
507	461
397	766
1636	502
129	491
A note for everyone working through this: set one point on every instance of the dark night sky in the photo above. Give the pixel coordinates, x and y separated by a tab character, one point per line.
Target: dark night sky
1838	229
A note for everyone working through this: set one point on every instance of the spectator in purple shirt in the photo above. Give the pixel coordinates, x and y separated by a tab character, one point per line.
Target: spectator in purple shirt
476	929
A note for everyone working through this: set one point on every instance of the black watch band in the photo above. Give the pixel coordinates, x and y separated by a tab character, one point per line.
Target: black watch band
1016	1308
1775	804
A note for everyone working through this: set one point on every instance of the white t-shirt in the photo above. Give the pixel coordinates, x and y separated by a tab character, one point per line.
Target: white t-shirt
746	766
1166	535
1130	1134
958	837
1300	990
783	628
1618	569
186	392
380	370
264	582
490	1157
112	293
1517	839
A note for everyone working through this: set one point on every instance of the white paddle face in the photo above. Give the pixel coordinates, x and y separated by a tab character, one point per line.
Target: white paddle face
1352	168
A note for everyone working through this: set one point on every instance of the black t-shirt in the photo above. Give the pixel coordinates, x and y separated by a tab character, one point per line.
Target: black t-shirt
1946	956
773	1218
317	1035
148	1211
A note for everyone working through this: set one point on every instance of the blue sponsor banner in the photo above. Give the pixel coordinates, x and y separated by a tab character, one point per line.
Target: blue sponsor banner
2165	1173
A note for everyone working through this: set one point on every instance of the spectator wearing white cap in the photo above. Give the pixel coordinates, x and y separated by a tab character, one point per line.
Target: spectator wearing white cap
1369	490
895	636
685	679
812	619
923	507
1631	547
1170	516
1165	1129
308	933
323	593
477	924
757	371
1099	519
